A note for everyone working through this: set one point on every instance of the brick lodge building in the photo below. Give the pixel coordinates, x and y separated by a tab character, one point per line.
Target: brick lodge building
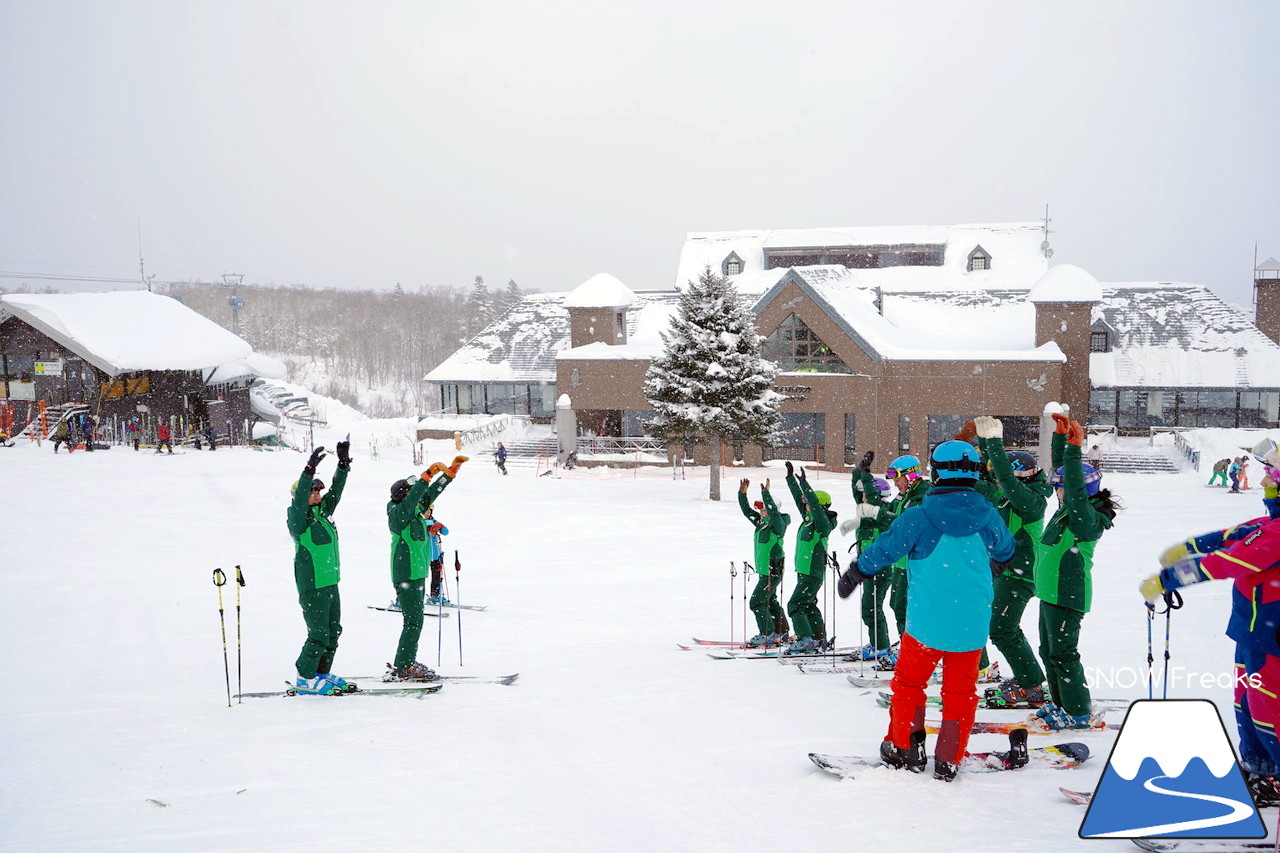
890	337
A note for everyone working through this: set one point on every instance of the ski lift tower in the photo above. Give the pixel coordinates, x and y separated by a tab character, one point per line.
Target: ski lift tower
236	301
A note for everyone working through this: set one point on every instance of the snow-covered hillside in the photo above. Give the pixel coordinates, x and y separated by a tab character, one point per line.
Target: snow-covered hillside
117	736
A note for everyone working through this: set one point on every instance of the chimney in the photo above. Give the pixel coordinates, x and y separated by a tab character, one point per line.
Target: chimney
1266	298
1064	298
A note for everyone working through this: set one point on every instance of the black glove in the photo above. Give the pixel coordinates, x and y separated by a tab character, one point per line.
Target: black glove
867	459
344	454
802	475
791	471
316	456
850	580
998	566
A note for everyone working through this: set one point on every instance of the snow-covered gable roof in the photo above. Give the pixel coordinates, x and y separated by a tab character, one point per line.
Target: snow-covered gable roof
1065	283
648	319
600	291
126	331
963	326
523	344
1014	248
1177	335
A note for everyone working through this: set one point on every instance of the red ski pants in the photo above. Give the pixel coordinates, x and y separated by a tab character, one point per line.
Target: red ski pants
916	663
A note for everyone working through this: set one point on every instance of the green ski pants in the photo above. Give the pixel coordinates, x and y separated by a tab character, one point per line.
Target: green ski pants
409	595
806	617
1011	599
1060	651
874	590
322	611
765	605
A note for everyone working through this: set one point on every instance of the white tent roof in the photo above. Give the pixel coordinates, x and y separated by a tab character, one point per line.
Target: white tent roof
125	331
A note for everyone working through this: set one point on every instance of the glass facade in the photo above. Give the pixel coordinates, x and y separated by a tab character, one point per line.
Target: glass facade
802	436
796	349
500	398
1129	408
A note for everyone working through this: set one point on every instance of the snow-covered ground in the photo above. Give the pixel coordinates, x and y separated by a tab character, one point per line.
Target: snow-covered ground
116	734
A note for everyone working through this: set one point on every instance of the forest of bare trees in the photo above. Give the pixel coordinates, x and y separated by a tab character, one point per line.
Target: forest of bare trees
366	348
359	339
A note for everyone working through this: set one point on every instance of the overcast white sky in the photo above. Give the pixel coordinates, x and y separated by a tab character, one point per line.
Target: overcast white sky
364	144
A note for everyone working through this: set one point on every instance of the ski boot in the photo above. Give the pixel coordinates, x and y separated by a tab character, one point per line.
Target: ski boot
413	672
801	646
394	605
340	685
1054	718
945	771
760	640
887	661
1262	789
869	652
912	758
990	675
825	646
318	686
1010	693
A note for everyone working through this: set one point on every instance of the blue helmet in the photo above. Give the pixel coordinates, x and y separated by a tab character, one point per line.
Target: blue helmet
904	466
956	460
1092	478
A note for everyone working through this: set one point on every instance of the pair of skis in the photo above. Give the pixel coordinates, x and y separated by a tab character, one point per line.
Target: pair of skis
1060	756
416	689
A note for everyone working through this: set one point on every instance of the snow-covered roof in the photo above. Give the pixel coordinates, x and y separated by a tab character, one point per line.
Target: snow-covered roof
1016	259
125	331
254	364
600	291
1178	335
921	327
1065	283
1269	265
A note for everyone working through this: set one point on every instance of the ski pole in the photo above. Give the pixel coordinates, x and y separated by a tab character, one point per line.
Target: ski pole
1172	602
457	591
1151	657
732	574
440	612
239	668
220	580
744	601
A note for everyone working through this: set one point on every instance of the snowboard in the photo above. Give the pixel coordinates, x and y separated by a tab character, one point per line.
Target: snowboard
1208	845
1080	798
1060	756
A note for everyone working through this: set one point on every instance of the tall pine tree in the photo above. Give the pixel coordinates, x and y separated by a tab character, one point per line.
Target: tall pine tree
479	310
710	385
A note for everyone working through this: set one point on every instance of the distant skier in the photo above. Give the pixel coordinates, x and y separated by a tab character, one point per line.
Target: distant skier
770	563
1233	471
1064	582
411	560
62	435
164	438
818	520
500	458
1249	555
1220	472
952	543
317	570
435	529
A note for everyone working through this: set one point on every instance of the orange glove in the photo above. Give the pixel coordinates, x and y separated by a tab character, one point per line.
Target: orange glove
1061	423
436	528
968	432
430	473
1075	434
452	470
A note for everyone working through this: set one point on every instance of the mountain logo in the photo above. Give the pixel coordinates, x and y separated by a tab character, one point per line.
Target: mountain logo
1172	773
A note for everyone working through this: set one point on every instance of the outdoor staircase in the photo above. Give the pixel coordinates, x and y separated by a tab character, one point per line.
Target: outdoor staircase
1137	462
53	415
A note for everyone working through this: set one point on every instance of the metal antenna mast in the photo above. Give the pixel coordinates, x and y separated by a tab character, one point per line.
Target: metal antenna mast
1044	244
236	302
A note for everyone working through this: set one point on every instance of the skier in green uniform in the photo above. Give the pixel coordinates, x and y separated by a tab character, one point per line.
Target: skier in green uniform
316	571
906	474
770	562
872	518
1064	562
411	561
1021	501
811	563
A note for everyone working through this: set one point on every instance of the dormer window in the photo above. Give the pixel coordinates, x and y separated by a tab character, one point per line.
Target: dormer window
1099	342
731	265
979	259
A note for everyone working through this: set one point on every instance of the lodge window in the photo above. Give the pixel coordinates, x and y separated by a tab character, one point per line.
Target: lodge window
795	348
732	265
1098	342
979	259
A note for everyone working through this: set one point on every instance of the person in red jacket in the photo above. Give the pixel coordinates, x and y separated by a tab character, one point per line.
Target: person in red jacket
163	438
1249	555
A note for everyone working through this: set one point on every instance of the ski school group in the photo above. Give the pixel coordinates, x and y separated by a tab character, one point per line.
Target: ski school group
415	553
960	556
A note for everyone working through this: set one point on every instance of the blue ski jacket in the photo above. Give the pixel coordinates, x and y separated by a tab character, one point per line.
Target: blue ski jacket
950	541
